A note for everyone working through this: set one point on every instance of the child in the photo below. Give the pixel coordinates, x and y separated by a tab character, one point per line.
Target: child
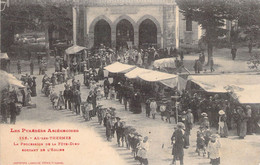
112	93
61	101
214	150
200	143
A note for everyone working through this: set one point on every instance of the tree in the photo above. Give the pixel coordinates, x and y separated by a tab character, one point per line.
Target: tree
41	16
211	15
249	18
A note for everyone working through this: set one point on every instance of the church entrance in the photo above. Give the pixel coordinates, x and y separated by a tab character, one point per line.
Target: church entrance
124	34
102	34
147	34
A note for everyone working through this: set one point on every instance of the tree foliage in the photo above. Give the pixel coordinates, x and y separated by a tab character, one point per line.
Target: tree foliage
211	15
36	17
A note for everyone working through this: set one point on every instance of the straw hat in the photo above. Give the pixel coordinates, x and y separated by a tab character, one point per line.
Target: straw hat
180	125
204	114
248	107
221	112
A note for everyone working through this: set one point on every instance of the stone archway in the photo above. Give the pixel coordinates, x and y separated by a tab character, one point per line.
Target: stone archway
92	28
102	33
156	24
147	34
130	23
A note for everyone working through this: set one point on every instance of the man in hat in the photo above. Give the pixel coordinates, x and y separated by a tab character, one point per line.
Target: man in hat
13	111
153	106
77	101
241	123
250	122
118	129
33	87
66	97
147	108
31	67
108	125
178	143
189	120
19	67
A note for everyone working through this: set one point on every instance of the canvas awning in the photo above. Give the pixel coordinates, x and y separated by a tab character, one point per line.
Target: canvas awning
245	94
167	79
8	79
118	67
135	72
218	83
74	49
4	56
165	63
154	76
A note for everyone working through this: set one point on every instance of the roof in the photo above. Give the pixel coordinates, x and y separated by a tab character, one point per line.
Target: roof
154	76
118	67
9	79
244	88
165	63
74	49
245	94
4	56
217	83
135	72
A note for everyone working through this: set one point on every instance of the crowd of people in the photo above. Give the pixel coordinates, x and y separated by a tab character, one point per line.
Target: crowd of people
14	98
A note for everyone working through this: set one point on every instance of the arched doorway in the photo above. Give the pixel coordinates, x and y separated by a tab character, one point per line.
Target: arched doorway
102	33
124	34
147	34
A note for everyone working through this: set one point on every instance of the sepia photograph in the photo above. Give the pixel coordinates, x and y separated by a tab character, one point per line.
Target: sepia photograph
130	82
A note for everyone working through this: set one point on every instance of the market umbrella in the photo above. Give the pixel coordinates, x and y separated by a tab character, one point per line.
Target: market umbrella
4	56
74	49
8	79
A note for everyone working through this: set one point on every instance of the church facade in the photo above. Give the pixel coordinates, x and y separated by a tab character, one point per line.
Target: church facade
140	23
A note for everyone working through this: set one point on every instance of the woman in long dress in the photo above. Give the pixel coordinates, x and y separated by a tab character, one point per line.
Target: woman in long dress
61	101
33	88
223	129
178	143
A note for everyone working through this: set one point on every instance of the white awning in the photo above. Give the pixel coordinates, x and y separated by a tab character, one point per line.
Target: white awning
118	67
4	56
165	63
218	83
154	76
8	79
74	49
245	94
135	72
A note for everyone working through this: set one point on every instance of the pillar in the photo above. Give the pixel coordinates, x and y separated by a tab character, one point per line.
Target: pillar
74	19
177	29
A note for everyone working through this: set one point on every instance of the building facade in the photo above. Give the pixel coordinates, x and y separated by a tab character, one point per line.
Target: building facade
140	23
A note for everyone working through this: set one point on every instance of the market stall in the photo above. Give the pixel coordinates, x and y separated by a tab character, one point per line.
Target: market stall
218	83
8	79
118	67
167	79
164	63
5	62
135	72
74	56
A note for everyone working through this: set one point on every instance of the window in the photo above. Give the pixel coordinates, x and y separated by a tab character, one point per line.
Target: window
188	25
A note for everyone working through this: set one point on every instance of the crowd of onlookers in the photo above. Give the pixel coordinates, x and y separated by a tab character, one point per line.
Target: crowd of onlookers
14	98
